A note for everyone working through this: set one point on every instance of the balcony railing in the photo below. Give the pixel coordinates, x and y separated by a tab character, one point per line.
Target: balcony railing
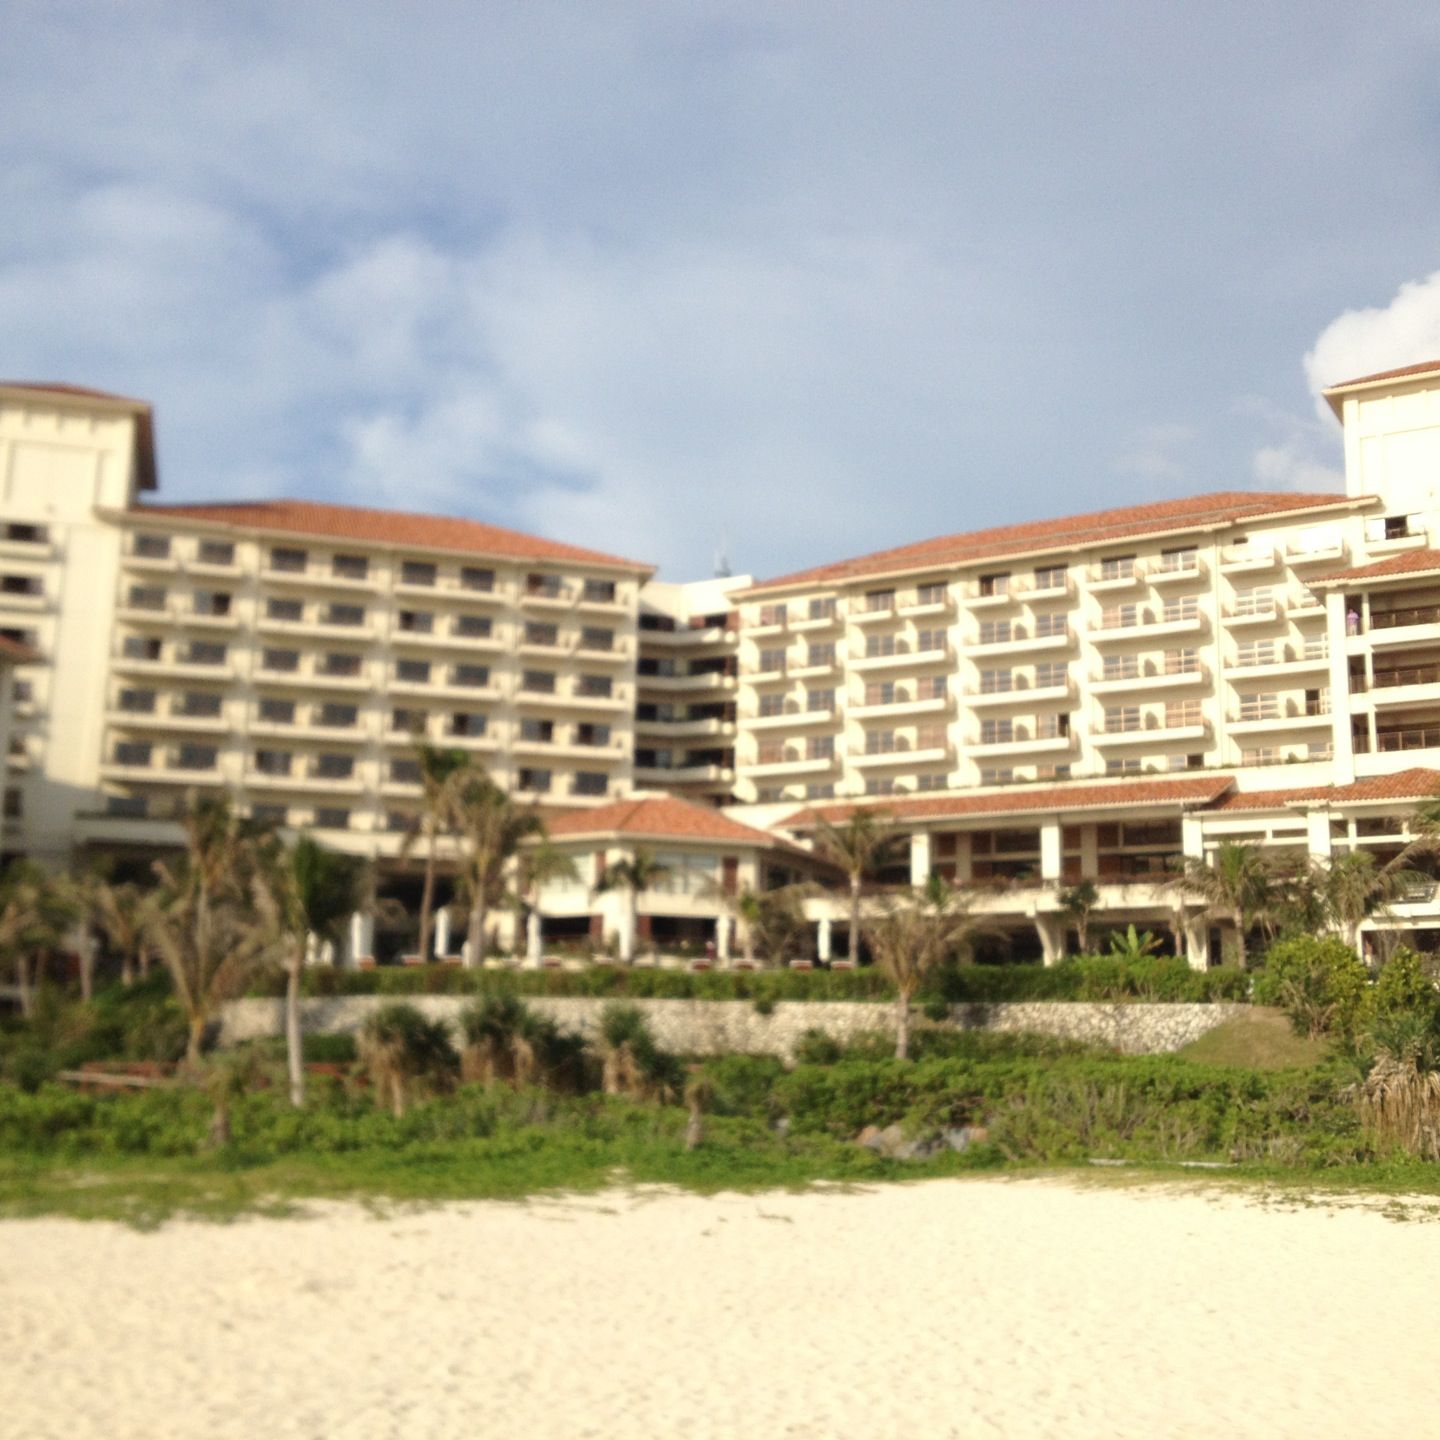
1416	737
1413	615
1407	675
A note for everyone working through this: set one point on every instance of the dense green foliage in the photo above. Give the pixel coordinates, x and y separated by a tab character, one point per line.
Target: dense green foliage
1318	981
1099	977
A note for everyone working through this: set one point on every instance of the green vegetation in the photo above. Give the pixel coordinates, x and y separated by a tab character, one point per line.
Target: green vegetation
1260	1039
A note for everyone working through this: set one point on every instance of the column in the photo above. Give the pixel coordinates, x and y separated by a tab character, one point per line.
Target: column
532	939
442	933
1051	929
919	857
1050	852
361	937
1317	834
1197	941
1343	763
824	939
722	936
1192	837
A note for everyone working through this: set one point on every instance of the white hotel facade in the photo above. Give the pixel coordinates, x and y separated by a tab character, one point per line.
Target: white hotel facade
1085	698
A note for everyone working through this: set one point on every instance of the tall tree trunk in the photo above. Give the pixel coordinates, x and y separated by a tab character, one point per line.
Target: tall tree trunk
854	952
477	935
144	962
633	933
127	968
23	983
902	1028
427	900
294	1050
1240	949
195	1039
87	968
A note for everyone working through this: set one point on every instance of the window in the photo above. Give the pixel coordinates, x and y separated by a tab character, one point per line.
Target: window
1128	765
589	782
418	572
997	682
146	597
415	622
996	731
1050	577
151	547
878	646
1259	707
926	640
405	772
472	627
21	533
330	817
273	762
598	592
878	601
820	699
196	757
822	609
545	587
467	724
880	694
1263	755
1259	600
412	720
345	615
539	731
1182	662
820	655
1122	719
284	661
477	677
1117	567
930	737
288	560
1179	562
215	603
350	567
136	702
930	595
1051	674
338	717
22	585
594	638
133	752
270	816
340	665
1181	714
820	747
537	633
333	767
994	585
824	790
1120	667
931	782
277	712
1254	653
1177	610
877	785
205	652
286	610
1051	625
1119	617
535	781
593	687
882	742
199	705
216	552
413	672
772	660
473	577
590	734
772	615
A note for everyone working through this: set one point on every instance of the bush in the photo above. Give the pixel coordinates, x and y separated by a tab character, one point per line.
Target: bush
329	1049
1318	981
406	1055
1403	986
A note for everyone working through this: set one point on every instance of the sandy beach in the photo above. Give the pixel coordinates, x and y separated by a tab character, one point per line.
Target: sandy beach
945	1308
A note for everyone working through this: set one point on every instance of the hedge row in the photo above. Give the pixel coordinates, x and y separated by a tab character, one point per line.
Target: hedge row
1096	978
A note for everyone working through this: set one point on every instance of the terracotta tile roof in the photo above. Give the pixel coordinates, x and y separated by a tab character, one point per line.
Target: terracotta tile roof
660	817
144	419
1030	800
1335	393
16	653
1098	528
385	527
1408	562
1414	784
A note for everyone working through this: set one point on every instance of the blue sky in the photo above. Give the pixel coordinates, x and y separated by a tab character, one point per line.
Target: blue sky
796	281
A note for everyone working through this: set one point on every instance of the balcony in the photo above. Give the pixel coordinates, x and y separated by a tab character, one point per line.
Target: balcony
1154	731
1149	678
1405	684
868	615
905	702
1021	641
1301	557
1284	660
826	620
1259	612
1410	737
792	762
1410	625
1170	570
556	596
1023	739
1105	578
306	782
169	719
924	602
902	657
1012	594
791	720
688	729
698	680
1236	558
1256	716
1020	694
1147	625
902	757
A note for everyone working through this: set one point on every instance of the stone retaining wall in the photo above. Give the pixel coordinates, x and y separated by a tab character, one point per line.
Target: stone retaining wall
715	1027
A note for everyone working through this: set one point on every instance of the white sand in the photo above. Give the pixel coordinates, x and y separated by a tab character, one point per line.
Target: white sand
947	1308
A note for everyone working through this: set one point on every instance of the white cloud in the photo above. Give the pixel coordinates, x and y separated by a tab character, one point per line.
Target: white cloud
1288	466
1382	337
1154	453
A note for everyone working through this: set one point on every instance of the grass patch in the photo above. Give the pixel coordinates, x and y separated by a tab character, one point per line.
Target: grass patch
1261	1039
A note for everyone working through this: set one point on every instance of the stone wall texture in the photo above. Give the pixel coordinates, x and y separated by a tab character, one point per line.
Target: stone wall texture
716	1027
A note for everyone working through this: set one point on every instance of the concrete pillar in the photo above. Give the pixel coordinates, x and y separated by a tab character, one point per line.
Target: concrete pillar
442	933
312	949
1317	834
824	939
362	937
1343	764
723	926
919	857
533	939
1051	929
1050	852
1197	941
1192	837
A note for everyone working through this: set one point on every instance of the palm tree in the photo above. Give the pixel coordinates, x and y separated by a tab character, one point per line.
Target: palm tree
858	847
1078	901
406	1054
1239	882
490	828
539	864
913	934
439	769
302	891
35	912
633	874
122	915
1354	886
203	924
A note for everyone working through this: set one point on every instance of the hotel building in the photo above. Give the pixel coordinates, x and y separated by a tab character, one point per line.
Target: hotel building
1087	698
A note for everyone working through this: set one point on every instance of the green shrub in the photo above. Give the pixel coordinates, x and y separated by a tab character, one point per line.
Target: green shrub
329	1049
1403	986
815	1047
406	1055
1318	981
